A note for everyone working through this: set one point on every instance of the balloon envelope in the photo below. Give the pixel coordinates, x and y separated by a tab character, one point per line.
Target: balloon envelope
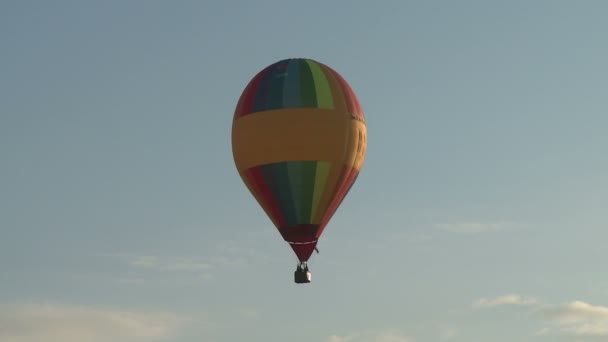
299	140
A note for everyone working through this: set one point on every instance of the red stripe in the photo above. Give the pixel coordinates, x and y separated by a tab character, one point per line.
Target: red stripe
352	103
245	105
257	181
300	233
238	112
255	188
303	251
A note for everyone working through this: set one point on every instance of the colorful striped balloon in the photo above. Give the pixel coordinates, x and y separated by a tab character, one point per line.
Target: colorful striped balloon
299	140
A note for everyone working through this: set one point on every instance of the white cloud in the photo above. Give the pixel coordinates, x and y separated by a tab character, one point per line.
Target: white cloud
225	254
47	322
576	312
205	268
248	312
391	337
447	334
202	268
471	227
170	264
386	336
578	319
510	299
338	338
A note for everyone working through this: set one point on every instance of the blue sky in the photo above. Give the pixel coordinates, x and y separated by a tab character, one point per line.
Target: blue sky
479	214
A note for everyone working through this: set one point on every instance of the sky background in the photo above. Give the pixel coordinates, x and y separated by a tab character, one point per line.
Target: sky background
479	215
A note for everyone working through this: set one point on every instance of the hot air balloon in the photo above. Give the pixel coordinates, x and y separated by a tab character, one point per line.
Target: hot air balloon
299	141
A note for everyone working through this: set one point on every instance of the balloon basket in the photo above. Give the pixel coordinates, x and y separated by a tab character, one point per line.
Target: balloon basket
302	275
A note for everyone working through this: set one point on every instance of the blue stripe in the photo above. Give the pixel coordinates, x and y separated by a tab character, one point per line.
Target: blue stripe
275	87
291	90
261	94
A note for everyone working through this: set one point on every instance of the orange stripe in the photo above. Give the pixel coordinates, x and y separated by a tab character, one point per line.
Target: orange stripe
289	134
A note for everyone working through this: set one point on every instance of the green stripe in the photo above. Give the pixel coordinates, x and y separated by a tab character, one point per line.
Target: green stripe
321	174
309	169
302	184
294	169
307	86
308	176
276	177
297	187
323	91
